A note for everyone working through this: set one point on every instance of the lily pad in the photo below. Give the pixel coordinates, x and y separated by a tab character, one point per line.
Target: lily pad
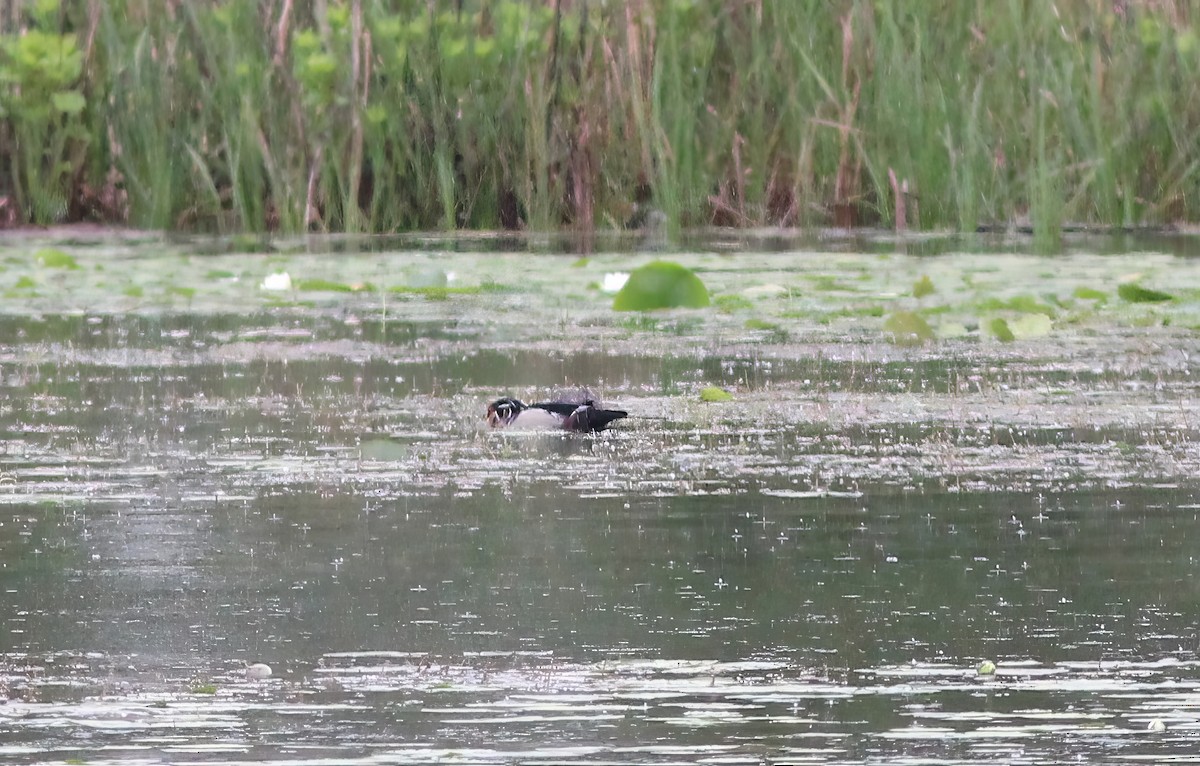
53	258
322	286
1031	326
1000	330
715	394
1138	294
923	286
759	324
907	328
1090	294
661	285
952	330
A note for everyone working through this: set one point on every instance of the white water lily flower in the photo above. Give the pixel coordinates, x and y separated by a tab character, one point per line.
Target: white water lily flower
614	281
280	281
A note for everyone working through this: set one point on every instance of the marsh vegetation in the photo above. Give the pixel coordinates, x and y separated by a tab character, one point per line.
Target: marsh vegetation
364	116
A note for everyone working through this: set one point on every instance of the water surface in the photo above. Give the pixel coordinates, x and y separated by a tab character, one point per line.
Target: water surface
198	474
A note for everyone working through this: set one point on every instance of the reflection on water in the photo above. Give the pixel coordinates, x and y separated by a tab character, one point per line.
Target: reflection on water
811	573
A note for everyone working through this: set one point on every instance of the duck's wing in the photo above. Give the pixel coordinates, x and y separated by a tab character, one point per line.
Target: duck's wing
563	409
587	418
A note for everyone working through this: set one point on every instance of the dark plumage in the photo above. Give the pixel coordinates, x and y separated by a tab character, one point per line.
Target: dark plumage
583	417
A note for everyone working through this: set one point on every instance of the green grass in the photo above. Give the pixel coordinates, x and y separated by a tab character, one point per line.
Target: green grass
417	115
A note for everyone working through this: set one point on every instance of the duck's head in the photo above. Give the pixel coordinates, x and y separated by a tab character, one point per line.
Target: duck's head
503	411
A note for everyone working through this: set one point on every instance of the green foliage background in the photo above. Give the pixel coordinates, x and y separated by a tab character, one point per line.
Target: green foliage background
363	115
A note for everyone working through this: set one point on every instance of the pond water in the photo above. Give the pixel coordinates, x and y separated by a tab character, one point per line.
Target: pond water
198	474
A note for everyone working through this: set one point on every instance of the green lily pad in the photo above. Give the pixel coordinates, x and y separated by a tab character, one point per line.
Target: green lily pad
759	324
1138	294
907	328
1000	330
715	394
661	285
952	330
1031	326
322	286
923	286
53	258
1089	294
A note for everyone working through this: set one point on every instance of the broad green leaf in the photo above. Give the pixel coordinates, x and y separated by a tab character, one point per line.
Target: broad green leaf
715	394
907	328
923	286
1031	326
323	286
1138	294
1000	330
661	285
952	330
53	258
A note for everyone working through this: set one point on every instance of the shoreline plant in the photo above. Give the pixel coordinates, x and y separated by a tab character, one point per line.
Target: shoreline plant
363	116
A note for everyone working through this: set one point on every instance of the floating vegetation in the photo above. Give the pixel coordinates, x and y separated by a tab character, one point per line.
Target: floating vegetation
443	293
329	286
999	329
1018	303
52	258
715	394
922	287
907	328
777	334
1090	294
1030	326
661	285
1135	293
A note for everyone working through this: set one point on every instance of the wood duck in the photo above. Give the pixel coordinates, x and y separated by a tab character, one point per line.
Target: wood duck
583	417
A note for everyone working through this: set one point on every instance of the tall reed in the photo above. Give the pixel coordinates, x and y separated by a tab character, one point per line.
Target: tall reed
361	115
